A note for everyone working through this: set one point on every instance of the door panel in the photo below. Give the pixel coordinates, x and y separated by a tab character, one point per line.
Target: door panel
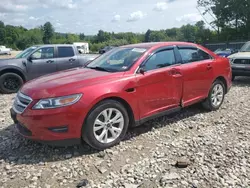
66	58
159	89
197	75
41	62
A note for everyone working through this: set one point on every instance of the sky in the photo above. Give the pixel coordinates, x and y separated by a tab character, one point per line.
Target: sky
89	16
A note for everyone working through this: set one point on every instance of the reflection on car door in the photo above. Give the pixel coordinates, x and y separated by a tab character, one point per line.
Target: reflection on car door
197	70
160	87
66	58
41	62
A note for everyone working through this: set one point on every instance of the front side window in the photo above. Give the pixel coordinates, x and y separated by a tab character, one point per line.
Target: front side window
65	51
160	59
193	55
44	53
117	60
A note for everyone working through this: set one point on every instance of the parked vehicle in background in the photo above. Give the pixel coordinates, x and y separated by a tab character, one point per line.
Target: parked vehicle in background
124	87
105	49
37	61
240	61
225	52
5	51
83	47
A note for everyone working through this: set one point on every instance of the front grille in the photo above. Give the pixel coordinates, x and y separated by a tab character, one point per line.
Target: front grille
21	103
242	61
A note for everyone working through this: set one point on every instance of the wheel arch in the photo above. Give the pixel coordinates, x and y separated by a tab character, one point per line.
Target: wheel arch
13	70
222	79
123	102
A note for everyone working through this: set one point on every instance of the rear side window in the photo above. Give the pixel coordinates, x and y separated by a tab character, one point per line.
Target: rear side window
192	55
65	51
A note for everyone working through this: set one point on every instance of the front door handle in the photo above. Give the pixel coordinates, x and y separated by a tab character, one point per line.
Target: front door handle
50	61
175	73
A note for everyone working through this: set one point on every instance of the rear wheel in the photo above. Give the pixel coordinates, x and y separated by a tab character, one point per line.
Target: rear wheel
106	125
215	97
10	83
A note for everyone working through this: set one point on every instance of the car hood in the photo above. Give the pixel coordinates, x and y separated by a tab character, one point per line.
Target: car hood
10	61
240	55
67	82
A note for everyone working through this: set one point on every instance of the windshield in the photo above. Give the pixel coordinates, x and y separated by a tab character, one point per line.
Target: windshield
117	59
246	47
26	52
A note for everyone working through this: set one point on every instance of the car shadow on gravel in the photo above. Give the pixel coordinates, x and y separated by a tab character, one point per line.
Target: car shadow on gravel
242	82
17	150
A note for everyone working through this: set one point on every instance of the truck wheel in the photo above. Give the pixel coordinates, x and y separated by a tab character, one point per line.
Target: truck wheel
215	96
10	83
106	125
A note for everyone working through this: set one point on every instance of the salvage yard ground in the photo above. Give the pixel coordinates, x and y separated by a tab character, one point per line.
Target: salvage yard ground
215	147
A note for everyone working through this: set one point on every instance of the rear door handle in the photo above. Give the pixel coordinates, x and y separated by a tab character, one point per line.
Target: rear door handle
50	61
209	67
72	59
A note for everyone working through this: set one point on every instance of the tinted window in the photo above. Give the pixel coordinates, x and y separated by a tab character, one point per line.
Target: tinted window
43	53
160	59
193	55
65	51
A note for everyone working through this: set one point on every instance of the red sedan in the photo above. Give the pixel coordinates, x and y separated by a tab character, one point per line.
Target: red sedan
123	87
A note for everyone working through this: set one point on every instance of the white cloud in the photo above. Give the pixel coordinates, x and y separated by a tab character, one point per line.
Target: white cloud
189	18
116	18
33	18
160	6
134	16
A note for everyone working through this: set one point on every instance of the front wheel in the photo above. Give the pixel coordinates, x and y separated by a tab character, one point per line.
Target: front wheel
10	83
106	125
215	97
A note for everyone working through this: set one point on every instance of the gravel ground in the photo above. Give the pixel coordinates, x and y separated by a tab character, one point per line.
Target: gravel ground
192	148
13	54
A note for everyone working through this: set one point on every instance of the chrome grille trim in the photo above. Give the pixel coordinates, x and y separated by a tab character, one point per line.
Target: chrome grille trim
21	103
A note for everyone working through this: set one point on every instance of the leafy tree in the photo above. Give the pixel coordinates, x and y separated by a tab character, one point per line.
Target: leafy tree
48	32
82	36
147	35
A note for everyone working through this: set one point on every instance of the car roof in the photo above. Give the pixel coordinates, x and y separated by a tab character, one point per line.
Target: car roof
52	45
157	44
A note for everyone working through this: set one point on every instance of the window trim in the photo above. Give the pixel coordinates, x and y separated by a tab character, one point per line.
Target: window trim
42	48
57	51
196	48
177	60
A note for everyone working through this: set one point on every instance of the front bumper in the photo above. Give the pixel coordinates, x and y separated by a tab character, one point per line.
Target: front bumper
59	127
241	70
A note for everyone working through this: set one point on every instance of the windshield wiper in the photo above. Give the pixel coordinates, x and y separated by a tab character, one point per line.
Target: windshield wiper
99	68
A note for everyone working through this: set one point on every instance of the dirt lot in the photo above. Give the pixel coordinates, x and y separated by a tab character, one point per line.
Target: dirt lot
215	147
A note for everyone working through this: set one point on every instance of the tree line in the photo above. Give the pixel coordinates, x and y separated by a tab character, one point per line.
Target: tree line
231	22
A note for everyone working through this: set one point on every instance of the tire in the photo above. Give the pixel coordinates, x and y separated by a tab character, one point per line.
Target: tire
233	78
90	136
10	83
209	103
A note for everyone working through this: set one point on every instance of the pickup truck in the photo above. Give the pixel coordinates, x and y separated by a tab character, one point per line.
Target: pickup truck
5	51
37	61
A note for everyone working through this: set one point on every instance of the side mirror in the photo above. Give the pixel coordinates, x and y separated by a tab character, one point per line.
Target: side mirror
30	58
141	70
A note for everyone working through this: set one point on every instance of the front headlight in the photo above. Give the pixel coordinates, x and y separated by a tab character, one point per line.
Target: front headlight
57	102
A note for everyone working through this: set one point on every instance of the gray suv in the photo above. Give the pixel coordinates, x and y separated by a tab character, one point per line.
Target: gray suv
37	61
